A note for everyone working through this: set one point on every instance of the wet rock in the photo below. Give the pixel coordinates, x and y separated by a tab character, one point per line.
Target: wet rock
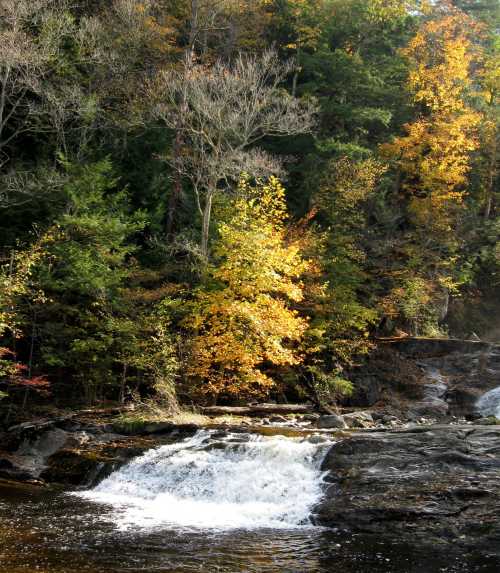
88	465
310	417
278	420
12	468
359	420
66	451
332	421
29	459
318	439
438	483
433	378
488	421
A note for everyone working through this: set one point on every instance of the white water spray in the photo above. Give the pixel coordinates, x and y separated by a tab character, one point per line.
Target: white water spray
238	481
489	403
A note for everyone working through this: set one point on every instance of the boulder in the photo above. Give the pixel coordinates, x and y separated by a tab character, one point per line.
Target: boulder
64	451
332	421
359	420
279	420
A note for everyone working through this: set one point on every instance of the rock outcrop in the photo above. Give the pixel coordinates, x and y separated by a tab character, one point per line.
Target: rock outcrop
435	378
69	452
438	483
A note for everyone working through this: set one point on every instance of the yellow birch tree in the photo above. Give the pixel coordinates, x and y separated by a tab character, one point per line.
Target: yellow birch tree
243	318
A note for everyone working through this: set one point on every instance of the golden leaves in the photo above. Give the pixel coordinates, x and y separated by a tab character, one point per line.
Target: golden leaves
434	154
246	320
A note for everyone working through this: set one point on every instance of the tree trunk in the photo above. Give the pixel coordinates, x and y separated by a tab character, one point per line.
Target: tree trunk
490	183
257	409
30	362
122	386
207	214
193	32
296	75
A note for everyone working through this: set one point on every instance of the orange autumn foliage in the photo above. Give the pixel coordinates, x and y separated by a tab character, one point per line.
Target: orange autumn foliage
242	317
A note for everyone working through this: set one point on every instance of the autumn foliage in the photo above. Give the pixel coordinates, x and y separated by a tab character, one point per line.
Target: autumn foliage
138	264
243	316
435	153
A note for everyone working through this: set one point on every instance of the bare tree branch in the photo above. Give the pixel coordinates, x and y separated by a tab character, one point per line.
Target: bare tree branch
221	112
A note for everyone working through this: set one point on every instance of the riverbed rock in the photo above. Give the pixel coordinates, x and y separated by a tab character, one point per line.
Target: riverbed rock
359	420
332	421
403	374
489	421
438	483
68	451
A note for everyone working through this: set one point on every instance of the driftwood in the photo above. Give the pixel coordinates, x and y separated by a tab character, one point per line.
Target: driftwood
257	409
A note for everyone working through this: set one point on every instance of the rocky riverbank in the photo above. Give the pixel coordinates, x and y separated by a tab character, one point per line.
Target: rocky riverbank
411	458
437	379
437	483
73	451
440	484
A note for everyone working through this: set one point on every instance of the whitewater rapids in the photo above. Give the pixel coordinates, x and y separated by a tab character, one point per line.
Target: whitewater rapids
237	481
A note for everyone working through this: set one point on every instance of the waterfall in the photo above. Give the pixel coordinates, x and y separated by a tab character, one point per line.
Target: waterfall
217	481
489	403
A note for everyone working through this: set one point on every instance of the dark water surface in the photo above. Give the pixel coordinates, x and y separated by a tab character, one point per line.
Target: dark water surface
51	532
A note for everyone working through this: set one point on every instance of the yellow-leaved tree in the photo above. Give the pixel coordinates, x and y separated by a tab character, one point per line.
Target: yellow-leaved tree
433	156
243	318
433	159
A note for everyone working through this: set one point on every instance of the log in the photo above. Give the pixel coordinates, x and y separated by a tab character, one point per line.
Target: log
258	409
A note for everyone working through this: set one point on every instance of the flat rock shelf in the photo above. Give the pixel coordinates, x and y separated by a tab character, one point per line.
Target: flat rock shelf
439	485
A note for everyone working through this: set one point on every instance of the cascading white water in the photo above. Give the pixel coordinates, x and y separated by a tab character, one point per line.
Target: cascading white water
237	481
489	403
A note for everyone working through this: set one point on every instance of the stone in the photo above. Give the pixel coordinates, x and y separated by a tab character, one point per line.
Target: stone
359	420
310	417
332	421
489	421
317	439
278	420
158	427
439	484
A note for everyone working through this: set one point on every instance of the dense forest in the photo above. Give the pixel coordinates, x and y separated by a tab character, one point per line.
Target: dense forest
211	201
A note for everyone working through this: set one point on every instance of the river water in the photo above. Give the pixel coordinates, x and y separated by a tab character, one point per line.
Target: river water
221	503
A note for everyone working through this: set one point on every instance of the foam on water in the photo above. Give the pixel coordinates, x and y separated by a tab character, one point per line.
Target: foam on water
489	403
209	482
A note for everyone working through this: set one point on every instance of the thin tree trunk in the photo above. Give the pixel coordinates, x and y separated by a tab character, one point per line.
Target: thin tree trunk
176	193
30	362
122	387
193	32
205	231
492	168
296	75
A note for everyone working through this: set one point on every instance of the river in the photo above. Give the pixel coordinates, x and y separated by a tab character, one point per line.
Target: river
213	503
